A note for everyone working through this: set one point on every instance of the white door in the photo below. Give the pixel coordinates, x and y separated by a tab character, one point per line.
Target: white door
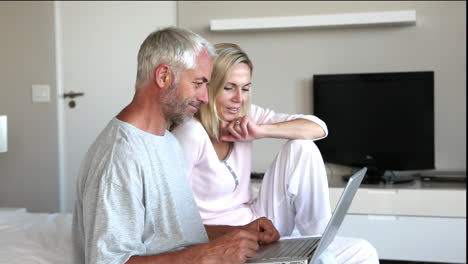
97	45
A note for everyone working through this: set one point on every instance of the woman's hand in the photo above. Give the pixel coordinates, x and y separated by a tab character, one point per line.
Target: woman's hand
240	129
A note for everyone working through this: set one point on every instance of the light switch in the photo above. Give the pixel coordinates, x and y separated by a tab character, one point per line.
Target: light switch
40	93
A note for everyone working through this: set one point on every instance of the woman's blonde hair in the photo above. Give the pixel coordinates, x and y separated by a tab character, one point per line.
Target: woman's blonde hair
229	55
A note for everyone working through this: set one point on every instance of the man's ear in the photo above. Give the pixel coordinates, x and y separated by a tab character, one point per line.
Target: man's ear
163	76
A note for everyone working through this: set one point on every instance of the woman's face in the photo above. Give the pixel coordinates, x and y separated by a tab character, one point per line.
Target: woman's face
235	93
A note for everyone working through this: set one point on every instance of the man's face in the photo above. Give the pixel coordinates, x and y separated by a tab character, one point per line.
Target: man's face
183	99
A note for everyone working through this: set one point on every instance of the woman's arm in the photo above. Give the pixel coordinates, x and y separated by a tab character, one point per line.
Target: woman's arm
265	123
294	129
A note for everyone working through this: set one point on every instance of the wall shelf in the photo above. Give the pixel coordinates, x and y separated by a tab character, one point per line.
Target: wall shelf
403	17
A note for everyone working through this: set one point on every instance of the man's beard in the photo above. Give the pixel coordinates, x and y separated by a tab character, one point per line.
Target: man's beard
176	108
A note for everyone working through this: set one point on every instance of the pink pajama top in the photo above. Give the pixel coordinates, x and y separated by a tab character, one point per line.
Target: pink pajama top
222	188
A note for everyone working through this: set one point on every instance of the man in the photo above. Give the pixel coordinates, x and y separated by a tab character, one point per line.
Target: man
134	204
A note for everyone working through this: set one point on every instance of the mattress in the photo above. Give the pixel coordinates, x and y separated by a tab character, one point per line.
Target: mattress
35	237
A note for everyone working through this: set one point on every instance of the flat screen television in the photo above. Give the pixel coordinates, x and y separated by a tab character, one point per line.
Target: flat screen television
383	121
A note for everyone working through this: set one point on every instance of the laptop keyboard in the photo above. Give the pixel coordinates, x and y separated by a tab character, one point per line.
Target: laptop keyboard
292	249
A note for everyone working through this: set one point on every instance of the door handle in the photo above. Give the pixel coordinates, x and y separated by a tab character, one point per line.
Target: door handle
72	94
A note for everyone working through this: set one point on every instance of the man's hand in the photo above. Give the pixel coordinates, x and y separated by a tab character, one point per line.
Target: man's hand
232	248
265	229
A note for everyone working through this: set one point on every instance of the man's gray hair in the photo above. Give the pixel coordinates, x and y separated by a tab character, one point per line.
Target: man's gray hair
174	46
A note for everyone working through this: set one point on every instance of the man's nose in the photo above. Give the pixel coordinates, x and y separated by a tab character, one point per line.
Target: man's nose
203	96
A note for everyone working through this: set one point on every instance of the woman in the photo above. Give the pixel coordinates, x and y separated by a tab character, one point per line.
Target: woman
217	146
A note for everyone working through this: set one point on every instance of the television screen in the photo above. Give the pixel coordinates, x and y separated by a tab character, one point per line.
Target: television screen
384	121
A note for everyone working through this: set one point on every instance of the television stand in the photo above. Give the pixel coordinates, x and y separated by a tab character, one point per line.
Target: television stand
387	178
391	179
401	220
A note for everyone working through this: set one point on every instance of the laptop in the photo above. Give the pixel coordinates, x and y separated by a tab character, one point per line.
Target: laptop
307	250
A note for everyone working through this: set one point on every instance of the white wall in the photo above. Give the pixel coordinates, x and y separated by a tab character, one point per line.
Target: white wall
98	54
98	46
285	60
28	172
284	64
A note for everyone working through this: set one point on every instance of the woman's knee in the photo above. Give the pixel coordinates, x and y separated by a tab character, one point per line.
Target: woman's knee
302	146
301	158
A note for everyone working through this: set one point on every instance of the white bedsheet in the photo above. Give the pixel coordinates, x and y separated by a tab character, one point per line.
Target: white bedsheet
35	237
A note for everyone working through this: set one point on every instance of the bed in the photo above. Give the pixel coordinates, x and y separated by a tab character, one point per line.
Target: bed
34	237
